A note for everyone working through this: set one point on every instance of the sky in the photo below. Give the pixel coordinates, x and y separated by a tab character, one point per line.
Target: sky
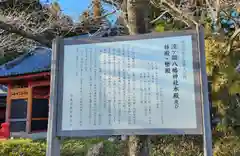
74	8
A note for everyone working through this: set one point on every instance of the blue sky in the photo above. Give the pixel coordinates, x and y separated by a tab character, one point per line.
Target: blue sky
74	8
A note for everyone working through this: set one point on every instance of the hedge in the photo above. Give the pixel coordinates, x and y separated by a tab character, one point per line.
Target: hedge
161	146
73	147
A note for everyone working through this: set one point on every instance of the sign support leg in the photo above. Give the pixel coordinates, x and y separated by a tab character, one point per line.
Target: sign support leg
207	131
53	143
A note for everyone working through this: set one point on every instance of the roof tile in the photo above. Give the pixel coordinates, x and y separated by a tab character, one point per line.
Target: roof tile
36	60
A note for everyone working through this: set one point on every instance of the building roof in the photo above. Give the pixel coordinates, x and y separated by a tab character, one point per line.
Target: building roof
39	59
36	60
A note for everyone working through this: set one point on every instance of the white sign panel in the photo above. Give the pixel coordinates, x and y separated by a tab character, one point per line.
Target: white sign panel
124	85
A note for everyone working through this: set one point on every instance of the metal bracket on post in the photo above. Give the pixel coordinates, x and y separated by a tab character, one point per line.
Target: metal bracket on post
207	131
53	143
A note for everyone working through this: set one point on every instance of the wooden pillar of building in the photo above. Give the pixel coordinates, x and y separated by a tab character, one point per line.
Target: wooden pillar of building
29	109
8	103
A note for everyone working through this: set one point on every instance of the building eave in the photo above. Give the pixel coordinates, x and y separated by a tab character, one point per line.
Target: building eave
29	76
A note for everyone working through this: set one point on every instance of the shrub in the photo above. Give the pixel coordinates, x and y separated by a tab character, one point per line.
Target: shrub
161	146
22	148
227	146
70	147
177	146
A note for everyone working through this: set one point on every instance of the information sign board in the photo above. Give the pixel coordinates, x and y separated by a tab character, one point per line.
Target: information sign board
143	84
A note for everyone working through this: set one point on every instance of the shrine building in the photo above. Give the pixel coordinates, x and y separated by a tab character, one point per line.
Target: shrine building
28	81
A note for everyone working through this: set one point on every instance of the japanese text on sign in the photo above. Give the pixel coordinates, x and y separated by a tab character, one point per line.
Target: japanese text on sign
129	85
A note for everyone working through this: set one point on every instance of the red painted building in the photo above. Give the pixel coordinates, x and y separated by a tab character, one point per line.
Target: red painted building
28	79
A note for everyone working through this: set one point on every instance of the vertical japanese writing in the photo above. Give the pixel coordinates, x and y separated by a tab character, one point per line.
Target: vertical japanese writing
94	88
70	110
90	85
109	88
77	73
149	98
162	103
145	94
129	100
86	61
175	51
100	88
114	84
184	60
104	78
86	68
77	64
133	87
159	91
167	59
141	89
81	89
124	81
157	86
119	87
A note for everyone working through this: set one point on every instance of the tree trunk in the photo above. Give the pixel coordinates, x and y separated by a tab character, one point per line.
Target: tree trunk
138	22
138	16
96	150
138	145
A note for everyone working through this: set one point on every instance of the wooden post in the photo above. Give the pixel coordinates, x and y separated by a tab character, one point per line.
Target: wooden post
53	142
207	130
8	104
29	109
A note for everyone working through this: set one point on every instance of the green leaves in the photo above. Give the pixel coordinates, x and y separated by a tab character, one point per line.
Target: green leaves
221	66
159	28
222	56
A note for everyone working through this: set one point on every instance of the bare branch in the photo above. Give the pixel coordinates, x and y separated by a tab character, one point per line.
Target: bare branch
38	38
179	13
20	25
116	3
159	17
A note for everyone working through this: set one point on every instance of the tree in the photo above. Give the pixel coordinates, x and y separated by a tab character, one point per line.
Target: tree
40	23
222	57
27	24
